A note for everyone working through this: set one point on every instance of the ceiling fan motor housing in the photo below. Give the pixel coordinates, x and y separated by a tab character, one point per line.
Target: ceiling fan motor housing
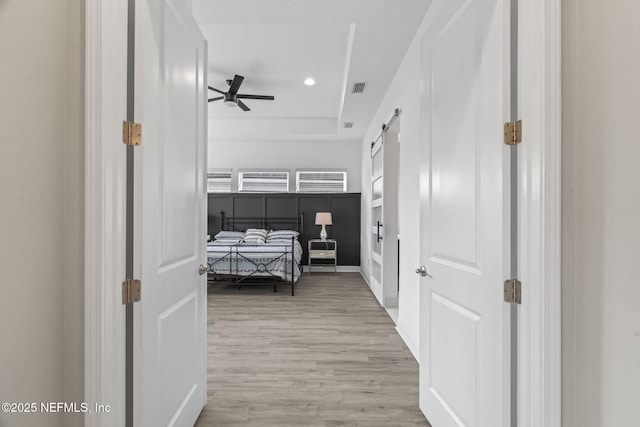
230	99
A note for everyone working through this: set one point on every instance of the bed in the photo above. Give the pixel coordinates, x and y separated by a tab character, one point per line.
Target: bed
256	251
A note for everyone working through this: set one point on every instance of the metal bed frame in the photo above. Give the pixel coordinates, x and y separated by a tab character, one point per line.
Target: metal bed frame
237	252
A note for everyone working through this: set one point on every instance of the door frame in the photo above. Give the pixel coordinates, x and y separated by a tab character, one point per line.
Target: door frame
539	393
104	222
539	217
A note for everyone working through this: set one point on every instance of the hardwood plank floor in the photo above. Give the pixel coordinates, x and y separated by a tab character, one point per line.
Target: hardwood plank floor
329	356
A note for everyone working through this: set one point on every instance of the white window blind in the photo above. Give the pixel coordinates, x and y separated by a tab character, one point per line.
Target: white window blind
219	181
263	182
321	182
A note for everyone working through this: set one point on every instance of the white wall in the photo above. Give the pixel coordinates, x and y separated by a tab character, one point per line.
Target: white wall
601	210
403	93
288	155
41	219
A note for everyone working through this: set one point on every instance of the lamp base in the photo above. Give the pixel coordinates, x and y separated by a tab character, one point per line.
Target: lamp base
323	233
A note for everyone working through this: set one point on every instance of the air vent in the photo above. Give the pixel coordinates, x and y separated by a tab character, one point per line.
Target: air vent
348	125
358	87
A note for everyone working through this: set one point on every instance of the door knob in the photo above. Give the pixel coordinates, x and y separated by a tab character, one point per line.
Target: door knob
202	269
422	271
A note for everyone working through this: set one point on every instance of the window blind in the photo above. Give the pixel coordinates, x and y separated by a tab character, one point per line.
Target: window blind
321	182
219	181
263	182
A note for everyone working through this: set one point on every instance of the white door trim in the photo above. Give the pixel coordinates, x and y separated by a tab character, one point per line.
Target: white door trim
539	203
105	162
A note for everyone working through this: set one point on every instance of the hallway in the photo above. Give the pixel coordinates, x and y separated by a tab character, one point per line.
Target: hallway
329	356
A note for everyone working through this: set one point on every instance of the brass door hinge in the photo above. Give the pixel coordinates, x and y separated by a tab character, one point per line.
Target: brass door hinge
131	290
513	291
131	133
513	133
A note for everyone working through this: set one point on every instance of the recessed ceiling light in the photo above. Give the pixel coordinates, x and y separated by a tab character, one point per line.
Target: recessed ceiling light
309	81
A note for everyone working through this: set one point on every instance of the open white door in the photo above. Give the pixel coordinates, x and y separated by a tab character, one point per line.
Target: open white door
171	105
464	325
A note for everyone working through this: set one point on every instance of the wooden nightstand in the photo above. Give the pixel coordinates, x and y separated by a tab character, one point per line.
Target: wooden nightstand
323	249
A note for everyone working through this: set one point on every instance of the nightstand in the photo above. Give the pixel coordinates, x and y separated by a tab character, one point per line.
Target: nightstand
323	249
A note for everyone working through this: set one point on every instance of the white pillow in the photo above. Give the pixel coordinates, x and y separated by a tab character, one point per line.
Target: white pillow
229	235
224	242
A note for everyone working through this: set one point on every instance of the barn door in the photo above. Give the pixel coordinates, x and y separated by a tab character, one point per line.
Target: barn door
465	323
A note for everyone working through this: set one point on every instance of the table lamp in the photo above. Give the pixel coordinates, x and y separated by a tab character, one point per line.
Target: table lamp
323	219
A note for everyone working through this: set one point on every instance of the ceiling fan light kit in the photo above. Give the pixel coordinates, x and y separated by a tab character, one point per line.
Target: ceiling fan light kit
230	100
233	98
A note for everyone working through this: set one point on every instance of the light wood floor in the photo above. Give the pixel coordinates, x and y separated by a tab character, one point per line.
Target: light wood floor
329	356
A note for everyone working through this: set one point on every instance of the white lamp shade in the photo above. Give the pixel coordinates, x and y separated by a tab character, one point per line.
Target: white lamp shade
323	218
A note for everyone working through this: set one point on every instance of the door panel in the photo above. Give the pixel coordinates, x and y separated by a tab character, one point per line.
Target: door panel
463	221
178	176
175	342
453	384
453	165
171	176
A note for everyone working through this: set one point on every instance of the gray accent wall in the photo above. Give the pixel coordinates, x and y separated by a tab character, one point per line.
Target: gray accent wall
344	207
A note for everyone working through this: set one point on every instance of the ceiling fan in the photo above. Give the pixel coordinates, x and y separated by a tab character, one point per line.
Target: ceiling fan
233	98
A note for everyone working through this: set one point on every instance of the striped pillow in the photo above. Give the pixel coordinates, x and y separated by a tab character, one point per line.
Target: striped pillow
255	235
281	235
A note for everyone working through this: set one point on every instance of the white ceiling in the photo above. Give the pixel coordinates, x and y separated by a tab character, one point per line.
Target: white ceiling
277	44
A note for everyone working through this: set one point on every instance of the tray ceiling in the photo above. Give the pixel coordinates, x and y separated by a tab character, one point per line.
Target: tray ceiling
277	44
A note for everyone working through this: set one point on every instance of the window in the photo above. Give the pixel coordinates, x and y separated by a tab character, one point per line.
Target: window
321	182
263	182
219	181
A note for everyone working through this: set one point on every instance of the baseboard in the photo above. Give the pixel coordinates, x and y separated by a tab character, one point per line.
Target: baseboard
413	348
348	269
365	279
393	313
391	302
329	269
373	290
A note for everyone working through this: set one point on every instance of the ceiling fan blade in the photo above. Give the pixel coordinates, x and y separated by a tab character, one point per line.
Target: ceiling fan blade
216	90
243	106
267	97
235	84
216	98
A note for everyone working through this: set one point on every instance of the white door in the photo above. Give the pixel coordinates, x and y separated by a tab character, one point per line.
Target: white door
170	375
464	324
